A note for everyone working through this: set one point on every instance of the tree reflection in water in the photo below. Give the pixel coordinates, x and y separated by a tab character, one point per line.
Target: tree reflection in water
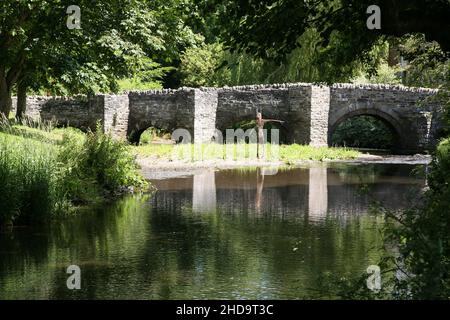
223	235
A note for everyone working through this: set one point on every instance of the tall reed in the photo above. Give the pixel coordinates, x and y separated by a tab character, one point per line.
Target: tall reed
28	180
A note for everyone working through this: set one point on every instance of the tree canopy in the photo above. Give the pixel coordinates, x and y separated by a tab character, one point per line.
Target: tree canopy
270	28
117	39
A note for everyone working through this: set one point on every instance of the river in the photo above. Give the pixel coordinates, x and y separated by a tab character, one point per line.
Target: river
229	234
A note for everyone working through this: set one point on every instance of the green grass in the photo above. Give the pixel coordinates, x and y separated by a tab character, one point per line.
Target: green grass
284	153
152	135
48	136
29	185
297	152
36	129
45	171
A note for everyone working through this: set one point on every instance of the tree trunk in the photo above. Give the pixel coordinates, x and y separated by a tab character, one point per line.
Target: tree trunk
21	100
5	97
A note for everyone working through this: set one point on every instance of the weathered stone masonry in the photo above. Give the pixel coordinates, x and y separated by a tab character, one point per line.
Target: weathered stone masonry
311	112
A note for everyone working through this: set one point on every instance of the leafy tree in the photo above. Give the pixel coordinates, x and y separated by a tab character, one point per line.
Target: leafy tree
117	39
259	51
428	65
199	66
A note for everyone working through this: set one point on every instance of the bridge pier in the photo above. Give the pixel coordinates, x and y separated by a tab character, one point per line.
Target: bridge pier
115	115
310	107
205	115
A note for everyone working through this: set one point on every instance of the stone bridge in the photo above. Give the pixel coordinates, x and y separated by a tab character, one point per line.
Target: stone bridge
311	112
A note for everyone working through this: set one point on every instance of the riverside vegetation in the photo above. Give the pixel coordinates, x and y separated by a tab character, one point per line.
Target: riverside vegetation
47	172
416	263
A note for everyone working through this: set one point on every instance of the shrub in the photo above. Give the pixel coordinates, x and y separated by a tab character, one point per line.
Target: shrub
97	164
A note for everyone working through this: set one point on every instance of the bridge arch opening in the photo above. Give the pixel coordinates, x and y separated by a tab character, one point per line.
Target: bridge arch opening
150	135
366	130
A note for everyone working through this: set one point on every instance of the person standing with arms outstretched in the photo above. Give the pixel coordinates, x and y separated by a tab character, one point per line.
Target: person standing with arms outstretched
260	122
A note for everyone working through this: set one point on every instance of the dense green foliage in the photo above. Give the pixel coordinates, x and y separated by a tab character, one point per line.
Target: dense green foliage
213	65
409	60
126	45
428	65
42	177
319	41
270	28
199	66
98	162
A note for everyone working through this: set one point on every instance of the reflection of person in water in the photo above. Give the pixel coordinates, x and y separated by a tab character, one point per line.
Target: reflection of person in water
260	122
259	189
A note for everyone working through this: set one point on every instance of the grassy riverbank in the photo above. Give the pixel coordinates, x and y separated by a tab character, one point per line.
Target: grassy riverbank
45	172
284	153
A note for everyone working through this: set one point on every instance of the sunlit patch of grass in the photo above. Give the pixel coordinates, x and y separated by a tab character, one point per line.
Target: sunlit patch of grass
296	152
52	136
153	135
157	151
235	152
43	131
137	84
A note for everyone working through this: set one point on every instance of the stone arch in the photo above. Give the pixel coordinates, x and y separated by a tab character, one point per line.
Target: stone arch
390	119
167	109
135	131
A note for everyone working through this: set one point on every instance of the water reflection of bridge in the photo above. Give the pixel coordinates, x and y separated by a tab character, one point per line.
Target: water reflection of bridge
317	192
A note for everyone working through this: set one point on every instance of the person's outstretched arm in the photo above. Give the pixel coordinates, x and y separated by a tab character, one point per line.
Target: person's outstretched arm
273	120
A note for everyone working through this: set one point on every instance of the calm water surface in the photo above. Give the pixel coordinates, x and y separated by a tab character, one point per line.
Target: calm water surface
219	235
